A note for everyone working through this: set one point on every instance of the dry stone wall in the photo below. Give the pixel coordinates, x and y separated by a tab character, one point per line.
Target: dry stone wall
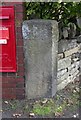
44	73
68	62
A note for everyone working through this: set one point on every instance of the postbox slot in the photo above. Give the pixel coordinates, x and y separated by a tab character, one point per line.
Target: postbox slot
4	17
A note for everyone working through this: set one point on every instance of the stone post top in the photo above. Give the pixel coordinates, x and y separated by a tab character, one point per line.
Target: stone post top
40	27
41	21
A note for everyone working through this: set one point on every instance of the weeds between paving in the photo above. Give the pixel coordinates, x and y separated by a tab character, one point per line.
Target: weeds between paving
64	104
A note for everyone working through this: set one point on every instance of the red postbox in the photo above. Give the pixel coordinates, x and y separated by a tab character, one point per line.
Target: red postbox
7	39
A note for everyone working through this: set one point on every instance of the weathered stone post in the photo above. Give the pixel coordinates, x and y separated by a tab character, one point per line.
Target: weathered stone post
40	47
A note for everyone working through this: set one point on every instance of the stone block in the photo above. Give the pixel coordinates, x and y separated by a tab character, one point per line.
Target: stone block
65	45
72	71
71	51
63	77
41	48
63	84
74	65
64	63
76	73
61	72
60	56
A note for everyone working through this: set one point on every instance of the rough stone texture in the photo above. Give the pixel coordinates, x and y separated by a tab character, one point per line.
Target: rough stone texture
75	57
79	39
61	72
64	63
68	62
71	51
66	81
40	46
65	44
60	56
73	66
63	77
73	71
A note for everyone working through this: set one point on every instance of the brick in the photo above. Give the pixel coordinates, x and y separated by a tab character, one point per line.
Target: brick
0	74
19	8
19	30
20	79
4	74
8	79
20	55
18	3
20	61
19	36
20	85
13	3
20	91
8	96
8	91
1	84
19	49
20	42
0	89
12	74
20	68
19	16
8	85
8	4
4	79
5	91
20	96
1	99
0	78
20	73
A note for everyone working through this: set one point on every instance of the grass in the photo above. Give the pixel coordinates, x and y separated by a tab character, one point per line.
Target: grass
14	105
52	107
48	107
41	110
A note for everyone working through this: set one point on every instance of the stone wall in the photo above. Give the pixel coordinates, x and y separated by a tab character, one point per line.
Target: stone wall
40	48
68	62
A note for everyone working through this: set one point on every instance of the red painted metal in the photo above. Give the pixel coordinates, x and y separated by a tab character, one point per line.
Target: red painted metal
7	39
4	33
